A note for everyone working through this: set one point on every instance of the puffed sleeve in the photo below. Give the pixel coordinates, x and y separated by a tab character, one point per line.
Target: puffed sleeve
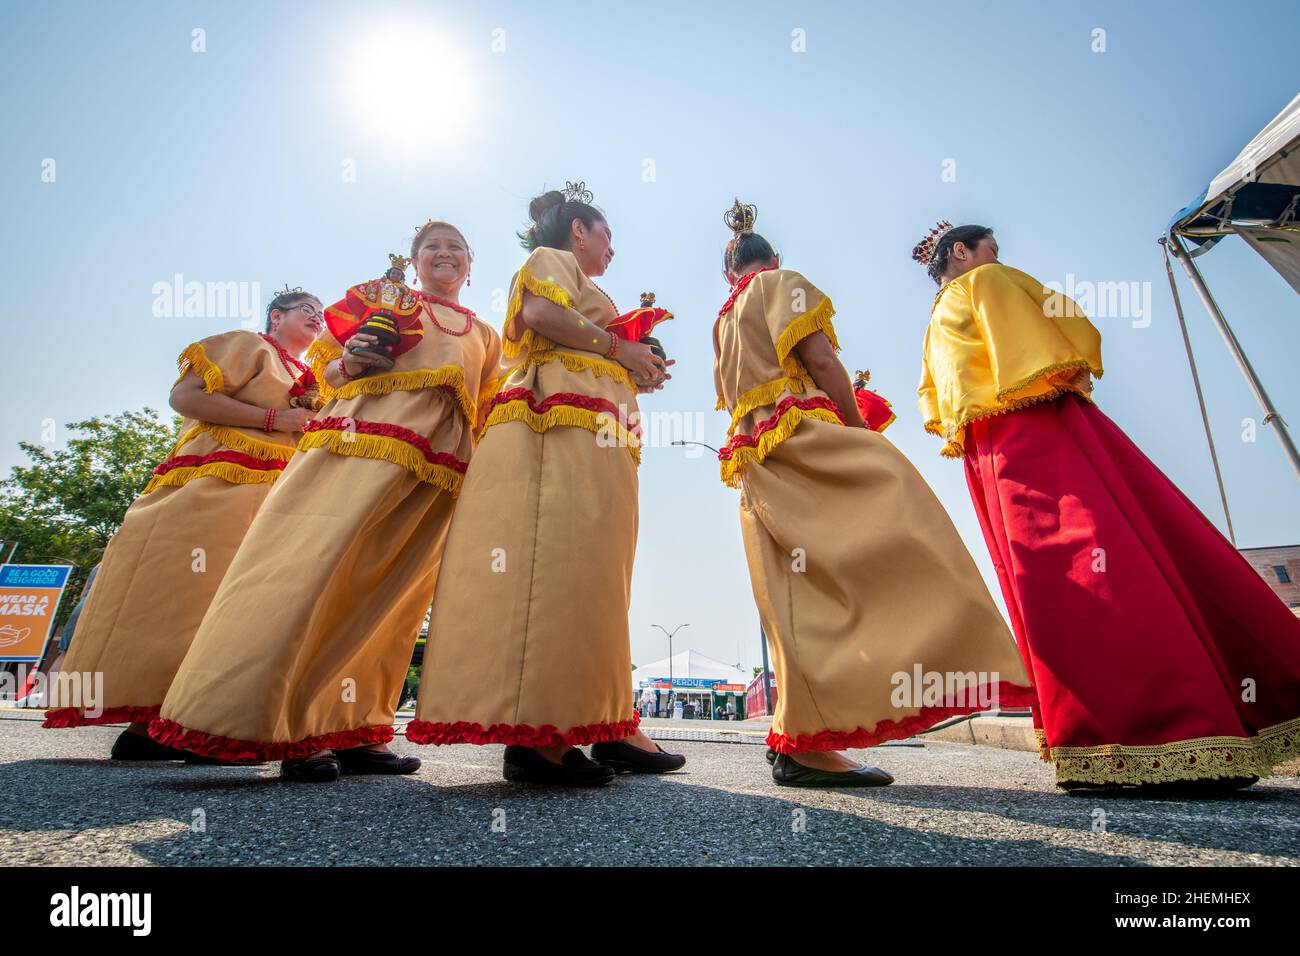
1035	338
550	273
795	309
226	362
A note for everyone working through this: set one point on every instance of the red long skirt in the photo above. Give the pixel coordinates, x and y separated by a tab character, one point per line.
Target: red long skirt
1158	654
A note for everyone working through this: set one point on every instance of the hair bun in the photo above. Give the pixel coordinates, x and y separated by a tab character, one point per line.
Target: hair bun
544	203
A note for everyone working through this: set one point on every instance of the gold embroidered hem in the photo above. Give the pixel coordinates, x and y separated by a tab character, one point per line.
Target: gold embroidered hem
1044	751
817	319
195	359
385	448
1202	758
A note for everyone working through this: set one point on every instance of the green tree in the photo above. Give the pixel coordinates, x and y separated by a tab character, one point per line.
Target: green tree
65	504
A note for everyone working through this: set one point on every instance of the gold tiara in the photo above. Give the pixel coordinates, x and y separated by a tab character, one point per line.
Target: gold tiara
740	218
577	192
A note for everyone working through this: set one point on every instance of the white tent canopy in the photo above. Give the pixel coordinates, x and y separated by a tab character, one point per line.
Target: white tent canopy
690	664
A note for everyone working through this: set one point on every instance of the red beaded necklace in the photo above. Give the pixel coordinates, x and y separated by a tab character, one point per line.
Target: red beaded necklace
430	297
286	359
607	297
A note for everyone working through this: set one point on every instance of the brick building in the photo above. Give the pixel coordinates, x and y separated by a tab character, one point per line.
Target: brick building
1280	567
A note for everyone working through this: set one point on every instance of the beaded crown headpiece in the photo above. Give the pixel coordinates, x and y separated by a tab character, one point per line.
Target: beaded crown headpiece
923	251
740	218
296	290
577	192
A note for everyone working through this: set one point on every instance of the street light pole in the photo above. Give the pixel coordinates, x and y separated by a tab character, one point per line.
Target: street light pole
670	660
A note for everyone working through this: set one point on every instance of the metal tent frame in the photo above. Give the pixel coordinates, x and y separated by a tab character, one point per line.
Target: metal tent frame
1255	198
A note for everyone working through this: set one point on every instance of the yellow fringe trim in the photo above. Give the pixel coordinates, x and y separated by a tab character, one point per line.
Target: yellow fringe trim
385	448
954	449
816	320
530	342
1043	373
225	470
769	393
195	359
733	468
577	362
720	405
1201	758
319	354
237	441
597	422
413	380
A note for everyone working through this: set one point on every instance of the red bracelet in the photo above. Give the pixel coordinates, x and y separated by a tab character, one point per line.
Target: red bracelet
343	371
613	346
269	424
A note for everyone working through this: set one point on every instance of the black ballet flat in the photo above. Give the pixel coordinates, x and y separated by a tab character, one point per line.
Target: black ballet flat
129	746
771	755
788	773
359	760
321	769
625	758
526	765
1191	789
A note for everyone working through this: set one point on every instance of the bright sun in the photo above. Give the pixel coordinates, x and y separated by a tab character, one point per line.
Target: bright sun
408	83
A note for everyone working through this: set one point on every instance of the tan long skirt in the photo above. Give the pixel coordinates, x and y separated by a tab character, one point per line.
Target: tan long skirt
157	579
528	643
879	622
307	642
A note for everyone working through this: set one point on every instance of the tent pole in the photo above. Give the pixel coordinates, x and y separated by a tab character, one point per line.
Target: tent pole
1271	416
1200	397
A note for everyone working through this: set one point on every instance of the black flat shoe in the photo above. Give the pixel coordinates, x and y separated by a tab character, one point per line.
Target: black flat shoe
771	755
1219	787
787	773
359	760
321	769
625	758
129	746
526	765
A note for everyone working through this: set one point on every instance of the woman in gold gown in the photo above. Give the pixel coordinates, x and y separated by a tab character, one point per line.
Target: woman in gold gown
239	393
879	621
528	641
303	653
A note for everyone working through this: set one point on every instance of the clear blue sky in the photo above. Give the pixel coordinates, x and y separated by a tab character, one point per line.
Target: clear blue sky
226	166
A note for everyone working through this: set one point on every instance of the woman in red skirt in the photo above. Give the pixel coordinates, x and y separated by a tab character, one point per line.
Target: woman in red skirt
1160	657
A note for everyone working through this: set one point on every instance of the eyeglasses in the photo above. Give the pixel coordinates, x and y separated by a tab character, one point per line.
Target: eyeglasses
307	310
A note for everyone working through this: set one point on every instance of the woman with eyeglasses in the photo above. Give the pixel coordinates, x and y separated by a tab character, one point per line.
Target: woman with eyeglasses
245	397
304	651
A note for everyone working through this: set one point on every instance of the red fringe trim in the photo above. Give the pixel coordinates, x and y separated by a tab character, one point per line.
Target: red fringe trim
171	734
738	288
73	716
414	439
234	457
589	402
767	424
1008	695
522	735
